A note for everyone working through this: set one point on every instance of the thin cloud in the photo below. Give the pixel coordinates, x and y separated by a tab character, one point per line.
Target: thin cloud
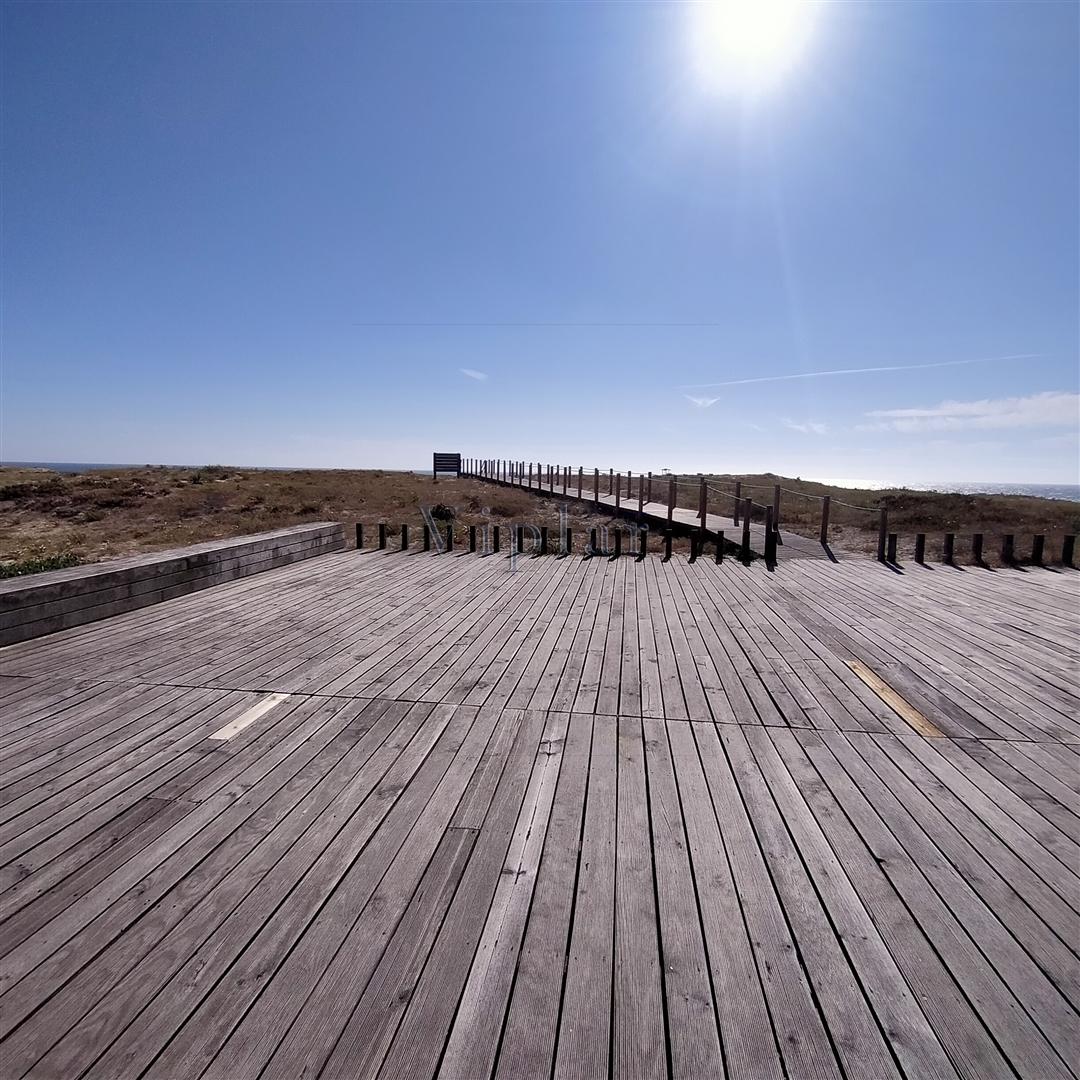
857	371
1051	408
472	373
807	427
702	402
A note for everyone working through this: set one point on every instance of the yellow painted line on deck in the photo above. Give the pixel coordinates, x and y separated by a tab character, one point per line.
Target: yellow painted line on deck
248	718
895	702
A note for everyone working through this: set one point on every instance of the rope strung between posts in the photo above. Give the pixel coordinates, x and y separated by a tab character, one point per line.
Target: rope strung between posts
852	506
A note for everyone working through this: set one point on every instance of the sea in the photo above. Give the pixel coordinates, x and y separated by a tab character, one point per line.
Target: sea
1070	492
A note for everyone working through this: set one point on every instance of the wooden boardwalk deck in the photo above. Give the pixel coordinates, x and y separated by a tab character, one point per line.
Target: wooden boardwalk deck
655	515
391	815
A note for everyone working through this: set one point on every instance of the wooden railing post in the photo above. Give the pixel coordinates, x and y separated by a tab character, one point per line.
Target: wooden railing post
640	497
618	492
405	537
648	493
1068	547
1038	543
671	498
703	502
610	481
883	529
1008	553
579	471
738	501
920	548
977	549
748	510
948	549
720	546
382	535
825	520
770	538
359	536
776	507
596	487
565	477
891	554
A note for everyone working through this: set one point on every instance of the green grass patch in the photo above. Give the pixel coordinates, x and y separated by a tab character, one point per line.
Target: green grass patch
38	564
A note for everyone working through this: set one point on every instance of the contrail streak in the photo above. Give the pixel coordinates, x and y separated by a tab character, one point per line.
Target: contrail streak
855	371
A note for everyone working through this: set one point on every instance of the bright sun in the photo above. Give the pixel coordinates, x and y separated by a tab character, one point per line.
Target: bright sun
748	46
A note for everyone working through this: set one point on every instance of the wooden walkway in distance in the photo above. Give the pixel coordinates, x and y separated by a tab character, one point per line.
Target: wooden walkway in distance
655	515
404	815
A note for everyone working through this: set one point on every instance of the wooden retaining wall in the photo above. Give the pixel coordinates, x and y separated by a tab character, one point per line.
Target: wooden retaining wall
44	603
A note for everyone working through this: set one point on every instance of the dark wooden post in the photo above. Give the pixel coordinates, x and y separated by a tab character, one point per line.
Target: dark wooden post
565	478
1068	546
405	537
449	536
882	533
618	492
738	501
359	536
596	486
472	538
629	485
495	538
382	535
825	520
720	546
891	554
748	509
1008	553
948	549
770	538
618	543
579	477
977	549
519	537
920	548
667	545
693	546
569	540
1038	543
703	503
543	540
640	497
427	537
776	507
671	498
643	543
648	493
610	480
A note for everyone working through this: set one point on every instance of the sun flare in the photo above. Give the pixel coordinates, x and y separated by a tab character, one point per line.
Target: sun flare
748	46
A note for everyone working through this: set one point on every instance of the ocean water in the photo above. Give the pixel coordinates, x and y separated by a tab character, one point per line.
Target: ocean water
1071	492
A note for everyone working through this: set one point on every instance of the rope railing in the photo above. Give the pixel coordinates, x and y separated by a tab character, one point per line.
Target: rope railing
852	506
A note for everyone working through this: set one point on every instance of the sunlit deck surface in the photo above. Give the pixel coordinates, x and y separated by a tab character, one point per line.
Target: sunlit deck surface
394	815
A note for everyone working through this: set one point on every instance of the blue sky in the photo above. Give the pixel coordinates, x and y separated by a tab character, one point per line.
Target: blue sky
287	233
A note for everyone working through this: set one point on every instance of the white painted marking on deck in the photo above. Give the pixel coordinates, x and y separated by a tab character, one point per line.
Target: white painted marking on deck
248	718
